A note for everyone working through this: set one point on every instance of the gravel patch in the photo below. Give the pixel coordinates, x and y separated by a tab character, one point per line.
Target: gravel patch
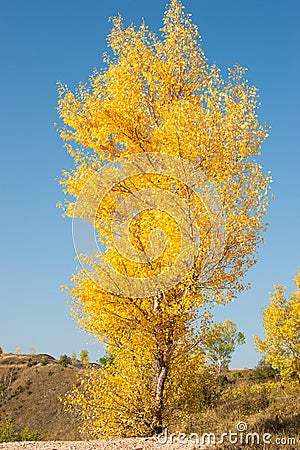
104	444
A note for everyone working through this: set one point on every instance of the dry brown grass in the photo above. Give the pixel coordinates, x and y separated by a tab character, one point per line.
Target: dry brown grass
266	406
30	395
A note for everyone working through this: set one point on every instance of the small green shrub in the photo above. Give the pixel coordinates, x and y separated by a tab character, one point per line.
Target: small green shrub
223	380
19	390
31	362
8	432
237	375
45	361
263	371
28	384
65	360
28	435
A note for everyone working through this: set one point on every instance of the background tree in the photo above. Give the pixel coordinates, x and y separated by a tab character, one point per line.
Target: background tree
221	340
84	356
281	321
158	96
106	360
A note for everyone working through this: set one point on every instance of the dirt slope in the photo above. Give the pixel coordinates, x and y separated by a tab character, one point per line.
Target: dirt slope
29	391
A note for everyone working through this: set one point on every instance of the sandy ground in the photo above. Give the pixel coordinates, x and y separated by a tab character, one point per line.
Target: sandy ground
105	444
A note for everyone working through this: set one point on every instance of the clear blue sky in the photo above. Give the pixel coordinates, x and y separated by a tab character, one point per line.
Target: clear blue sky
46	41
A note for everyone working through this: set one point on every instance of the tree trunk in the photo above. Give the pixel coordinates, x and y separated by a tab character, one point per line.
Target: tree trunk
160	369
159	379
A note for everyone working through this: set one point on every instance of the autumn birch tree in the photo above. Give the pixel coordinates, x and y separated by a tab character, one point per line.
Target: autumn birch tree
221	340
165	169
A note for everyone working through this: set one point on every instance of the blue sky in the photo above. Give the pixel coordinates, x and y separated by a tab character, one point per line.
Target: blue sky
46	41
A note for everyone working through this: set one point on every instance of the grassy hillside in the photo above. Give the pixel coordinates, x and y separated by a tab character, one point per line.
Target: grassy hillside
29	389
